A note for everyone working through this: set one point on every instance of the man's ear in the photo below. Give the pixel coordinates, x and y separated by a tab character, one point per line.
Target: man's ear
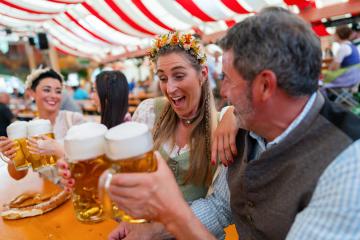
266	84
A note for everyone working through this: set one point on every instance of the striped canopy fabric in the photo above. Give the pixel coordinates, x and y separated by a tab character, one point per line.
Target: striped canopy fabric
101	28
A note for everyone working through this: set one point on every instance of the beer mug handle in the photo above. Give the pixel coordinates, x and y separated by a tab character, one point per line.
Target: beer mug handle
104	185
4	158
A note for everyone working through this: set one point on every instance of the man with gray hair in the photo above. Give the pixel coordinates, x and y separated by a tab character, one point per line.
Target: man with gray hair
297	171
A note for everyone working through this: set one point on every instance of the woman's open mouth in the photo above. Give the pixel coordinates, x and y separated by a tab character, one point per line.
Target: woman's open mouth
178	101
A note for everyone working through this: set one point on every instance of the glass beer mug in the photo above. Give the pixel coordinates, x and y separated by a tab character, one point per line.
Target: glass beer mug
36	129
129	149
84	149
17	132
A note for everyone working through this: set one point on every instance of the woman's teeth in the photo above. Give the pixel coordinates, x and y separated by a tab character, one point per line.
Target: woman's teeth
178	100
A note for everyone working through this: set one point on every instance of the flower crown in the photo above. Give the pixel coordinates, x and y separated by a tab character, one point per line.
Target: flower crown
35	73
185	41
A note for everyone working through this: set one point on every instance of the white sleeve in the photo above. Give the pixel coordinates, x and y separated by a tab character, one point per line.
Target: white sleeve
145	113
343	52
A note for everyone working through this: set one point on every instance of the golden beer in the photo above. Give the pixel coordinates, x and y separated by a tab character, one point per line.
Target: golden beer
137	164
129	150
85	153
86	173
20	159
17	132
42	161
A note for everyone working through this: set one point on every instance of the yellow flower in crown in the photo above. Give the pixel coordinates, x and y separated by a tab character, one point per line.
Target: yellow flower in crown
185	41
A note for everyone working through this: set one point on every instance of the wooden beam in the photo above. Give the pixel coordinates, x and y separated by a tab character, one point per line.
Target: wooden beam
316	14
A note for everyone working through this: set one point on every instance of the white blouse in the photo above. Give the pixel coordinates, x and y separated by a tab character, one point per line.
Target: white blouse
145	113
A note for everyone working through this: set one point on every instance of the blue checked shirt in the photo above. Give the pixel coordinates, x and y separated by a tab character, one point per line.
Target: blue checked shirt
333	212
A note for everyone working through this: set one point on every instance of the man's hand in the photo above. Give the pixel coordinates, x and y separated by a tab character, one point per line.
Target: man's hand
156	196
147	195
144	231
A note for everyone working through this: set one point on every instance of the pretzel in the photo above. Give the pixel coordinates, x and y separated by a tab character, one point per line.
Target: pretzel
29	205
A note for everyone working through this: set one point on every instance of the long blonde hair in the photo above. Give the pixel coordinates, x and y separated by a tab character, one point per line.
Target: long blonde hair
200	170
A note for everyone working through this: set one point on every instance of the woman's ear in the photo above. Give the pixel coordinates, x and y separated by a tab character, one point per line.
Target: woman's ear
204	75
32	94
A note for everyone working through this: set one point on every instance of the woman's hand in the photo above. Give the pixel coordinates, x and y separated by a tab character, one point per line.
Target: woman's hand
64	172
7	147
45	146
223	145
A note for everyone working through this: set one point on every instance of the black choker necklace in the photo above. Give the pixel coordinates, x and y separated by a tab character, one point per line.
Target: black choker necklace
188	122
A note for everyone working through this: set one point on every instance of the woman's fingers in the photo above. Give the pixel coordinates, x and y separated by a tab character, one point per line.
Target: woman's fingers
6	144
65	173
227	150
34	150
220	149
31	142
61	164
214	151
232	142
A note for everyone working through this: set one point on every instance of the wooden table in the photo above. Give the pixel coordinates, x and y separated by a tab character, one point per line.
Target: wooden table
58	224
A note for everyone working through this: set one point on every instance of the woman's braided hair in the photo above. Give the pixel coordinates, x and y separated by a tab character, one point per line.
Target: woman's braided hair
200	171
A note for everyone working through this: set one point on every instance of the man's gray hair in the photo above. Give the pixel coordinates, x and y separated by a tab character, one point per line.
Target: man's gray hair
280	41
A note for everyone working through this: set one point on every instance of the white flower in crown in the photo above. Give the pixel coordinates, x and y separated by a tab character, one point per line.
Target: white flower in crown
35	73
187	46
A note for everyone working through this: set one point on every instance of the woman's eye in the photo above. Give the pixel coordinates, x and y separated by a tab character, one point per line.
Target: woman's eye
58	92
179	76
162	79
46	90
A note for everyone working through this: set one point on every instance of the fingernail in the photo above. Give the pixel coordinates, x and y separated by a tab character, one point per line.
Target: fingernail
62	166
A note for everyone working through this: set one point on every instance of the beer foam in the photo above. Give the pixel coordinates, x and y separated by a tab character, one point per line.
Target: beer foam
17	130
38	127
127	140
85	141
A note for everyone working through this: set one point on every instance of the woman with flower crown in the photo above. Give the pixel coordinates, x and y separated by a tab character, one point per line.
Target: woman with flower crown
45	86
183	123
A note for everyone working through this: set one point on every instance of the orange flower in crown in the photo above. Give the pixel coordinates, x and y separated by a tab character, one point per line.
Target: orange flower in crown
185	41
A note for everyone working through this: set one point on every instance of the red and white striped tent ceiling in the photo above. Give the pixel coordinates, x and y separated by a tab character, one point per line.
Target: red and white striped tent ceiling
99	28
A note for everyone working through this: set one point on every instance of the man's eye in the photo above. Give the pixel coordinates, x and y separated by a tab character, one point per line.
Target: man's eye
221	76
